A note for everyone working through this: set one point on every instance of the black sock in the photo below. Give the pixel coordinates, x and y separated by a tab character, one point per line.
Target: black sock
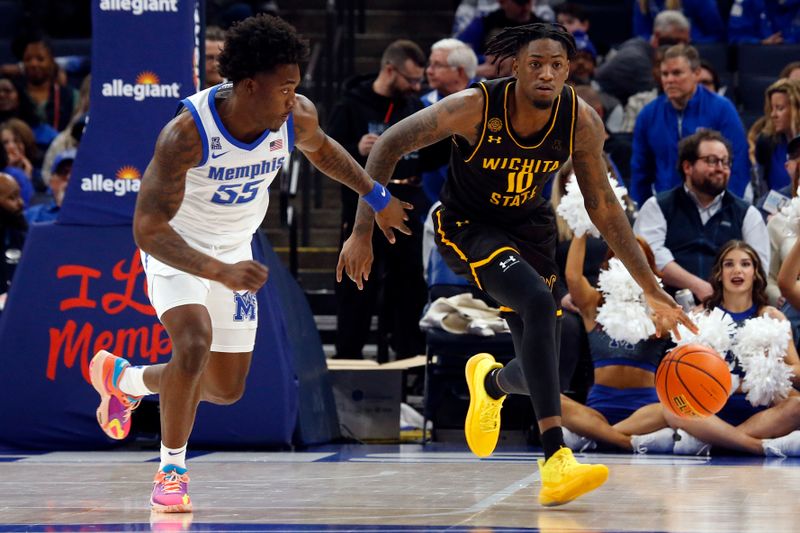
491	386
552	441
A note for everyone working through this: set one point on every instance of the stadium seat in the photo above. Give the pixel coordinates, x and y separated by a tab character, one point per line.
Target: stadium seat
10	17
716	54
760	60
750	92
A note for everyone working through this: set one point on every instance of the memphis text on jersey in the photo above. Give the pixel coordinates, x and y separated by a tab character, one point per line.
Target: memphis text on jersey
246	171
519	174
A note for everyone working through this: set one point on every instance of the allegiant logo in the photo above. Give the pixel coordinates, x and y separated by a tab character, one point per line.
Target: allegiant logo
127	181
137	7
147	85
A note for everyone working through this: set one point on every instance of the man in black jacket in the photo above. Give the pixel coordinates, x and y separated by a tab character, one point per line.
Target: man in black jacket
369	106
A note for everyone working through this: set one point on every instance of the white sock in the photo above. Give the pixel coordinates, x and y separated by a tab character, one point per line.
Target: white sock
132	382
173	456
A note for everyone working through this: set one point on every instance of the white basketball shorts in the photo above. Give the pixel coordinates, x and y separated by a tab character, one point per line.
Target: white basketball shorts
234	314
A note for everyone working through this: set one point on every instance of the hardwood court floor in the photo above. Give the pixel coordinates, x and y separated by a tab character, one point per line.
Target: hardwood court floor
396	488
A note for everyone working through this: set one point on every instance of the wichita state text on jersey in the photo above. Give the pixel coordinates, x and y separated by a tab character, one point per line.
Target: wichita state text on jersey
500	178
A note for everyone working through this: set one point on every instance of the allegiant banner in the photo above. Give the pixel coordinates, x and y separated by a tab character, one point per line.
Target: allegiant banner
143	64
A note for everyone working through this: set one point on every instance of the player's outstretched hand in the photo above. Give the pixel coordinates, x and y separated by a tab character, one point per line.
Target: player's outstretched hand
244	276
355	259
393	216
667	314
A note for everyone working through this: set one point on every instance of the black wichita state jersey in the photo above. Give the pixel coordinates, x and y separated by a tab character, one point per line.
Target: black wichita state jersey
500	179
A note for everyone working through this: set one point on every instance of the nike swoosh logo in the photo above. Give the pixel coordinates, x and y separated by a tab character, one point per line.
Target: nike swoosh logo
383	192
177	453
214	156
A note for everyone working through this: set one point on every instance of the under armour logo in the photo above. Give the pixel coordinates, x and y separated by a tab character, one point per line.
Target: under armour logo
493	139
508	263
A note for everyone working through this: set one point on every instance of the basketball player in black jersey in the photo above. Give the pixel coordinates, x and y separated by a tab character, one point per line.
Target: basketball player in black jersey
494	228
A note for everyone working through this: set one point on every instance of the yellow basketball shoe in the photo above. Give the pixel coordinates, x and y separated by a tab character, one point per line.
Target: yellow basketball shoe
482	426
564	478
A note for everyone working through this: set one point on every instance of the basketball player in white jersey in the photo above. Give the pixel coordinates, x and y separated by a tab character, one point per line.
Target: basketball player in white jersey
203	196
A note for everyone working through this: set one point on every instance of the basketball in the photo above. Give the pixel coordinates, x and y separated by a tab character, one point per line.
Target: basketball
693	381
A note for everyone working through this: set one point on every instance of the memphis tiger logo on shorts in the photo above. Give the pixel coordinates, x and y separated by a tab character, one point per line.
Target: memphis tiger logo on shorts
139	7
127	180
146	85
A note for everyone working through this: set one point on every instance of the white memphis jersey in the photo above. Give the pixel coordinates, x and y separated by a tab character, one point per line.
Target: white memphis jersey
226	195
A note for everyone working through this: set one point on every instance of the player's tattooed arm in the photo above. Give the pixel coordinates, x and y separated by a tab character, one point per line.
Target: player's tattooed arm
600	201
178	148
458	114
324	152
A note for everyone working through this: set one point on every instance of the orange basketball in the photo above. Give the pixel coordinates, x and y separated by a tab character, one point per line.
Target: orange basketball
693	381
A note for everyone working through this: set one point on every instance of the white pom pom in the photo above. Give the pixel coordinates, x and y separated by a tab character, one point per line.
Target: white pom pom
623	315
616	283
625	321
573	211
792	212
715	329
760	347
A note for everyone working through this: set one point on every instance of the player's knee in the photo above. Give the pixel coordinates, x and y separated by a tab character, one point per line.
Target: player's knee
190	354
229	395
538	301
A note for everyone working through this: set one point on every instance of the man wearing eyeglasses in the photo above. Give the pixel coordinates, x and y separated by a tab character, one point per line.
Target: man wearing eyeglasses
685	226
368	107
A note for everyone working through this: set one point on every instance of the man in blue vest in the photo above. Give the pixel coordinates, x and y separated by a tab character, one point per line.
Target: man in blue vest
685	226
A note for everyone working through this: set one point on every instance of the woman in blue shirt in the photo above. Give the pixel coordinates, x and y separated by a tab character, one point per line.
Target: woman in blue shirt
782	123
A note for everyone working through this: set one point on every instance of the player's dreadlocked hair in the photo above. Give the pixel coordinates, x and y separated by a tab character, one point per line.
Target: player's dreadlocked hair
510	41
258	44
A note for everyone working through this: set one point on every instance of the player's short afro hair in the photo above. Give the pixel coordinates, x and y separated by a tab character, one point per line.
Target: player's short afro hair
259	44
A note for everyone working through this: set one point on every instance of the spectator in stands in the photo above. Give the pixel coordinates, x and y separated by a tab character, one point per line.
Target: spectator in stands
468	10
708	78
451	68
59	178
680	111
686	226
25	185
781	124
782	238
12	230
628	71
637	101
54	102
369	106
20	146
791	71
482	28
764	21
581	72
215	40
704	16
573	17
738	281
14	103
70	137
